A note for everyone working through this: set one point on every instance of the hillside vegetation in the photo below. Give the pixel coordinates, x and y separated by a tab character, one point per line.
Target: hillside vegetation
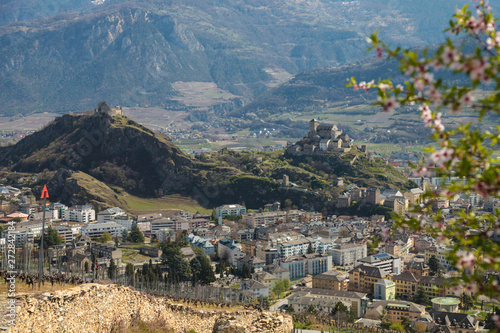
114	161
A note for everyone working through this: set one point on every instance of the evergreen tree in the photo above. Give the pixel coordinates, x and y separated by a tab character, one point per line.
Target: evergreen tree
136	235
112	269
245	272
466	301
310	248
179	268
129	270
339	307
433	265
489	322
51	237
124	236
421	297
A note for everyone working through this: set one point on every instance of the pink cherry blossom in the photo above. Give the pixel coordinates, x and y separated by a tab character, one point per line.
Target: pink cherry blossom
389	104
467	260
467	99
450	57
441	157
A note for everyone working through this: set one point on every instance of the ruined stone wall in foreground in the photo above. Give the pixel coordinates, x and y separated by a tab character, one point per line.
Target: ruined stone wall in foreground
96	308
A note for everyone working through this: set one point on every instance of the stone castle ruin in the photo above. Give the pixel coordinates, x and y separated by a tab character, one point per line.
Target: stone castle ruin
102	107
321	139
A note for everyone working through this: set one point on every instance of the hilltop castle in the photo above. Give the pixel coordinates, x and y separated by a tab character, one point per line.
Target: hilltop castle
102	107
321	139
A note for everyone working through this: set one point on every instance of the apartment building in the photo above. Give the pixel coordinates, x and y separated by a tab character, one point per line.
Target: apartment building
302	265
263	219
223	211
388	262
84	214
331	280
363	278
347	254
97	229
294	247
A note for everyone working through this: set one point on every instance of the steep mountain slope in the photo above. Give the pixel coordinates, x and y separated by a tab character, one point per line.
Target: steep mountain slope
97	158
133	52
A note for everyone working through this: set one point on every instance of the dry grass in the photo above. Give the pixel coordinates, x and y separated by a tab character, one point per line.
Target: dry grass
23	288
174	201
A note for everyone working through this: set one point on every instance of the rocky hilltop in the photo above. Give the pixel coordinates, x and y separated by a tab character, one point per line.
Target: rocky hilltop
100	159
102	308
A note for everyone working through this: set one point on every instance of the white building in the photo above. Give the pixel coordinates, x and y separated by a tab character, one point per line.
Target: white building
65	232
291	248
97	229
263	219
109	214
255	286
388	262
347	254
84	214
325	300
230	250
21	235
223	211
178	224
302	265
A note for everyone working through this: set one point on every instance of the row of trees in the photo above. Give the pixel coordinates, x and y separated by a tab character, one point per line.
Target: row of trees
198	270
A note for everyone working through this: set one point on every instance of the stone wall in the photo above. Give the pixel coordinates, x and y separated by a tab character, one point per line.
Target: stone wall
96	308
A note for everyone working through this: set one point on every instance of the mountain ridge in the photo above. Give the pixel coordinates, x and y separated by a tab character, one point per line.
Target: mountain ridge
132	52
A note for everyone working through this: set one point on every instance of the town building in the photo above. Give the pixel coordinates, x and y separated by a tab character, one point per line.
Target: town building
107	252
331	280
267	279
84	214
97	229
385	289
394	311
325	300
388	262
347	254
255	264
455	322
278	271
363	278
230	250
255	286
109	214
151	251
302	265
264	219
223	211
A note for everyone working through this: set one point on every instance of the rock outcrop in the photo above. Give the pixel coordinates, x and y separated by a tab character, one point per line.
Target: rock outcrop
99	308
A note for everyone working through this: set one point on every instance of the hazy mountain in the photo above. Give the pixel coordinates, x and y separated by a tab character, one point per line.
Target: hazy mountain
64	54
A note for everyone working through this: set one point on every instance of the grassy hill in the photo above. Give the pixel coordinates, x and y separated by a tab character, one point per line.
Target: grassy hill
114	161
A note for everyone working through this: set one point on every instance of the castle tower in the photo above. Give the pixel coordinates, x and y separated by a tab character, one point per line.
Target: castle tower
313	125
286	180
373	196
